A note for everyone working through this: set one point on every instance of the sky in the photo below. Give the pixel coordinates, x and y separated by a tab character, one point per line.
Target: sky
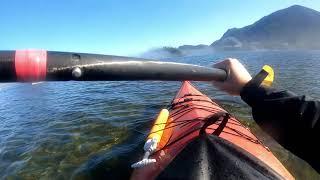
123	27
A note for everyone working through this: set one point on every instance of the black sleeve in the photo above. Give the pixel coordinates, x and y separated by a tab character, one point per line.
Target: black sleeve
293	121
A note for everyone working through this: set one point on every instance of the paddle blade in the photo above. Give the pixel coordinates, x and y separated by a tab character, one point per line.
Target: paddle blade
269	79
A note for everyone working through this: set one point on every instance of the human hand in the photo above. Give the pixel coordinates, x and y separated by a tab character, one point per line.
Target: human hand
238	76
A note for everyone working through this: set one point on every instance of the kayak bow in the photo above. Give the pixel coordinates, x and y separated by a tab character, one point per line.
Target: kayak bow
201	140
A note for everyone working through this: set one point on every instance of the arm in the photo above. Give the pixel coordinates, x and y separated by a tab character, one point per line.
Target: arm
293	121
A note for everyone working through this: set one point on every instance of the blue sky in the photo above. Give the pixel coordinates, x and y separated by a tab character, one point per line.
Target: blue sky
124	27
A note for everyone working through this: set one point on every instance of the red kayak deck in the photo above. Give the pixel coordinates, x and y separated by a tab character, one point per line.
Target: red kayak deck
189	111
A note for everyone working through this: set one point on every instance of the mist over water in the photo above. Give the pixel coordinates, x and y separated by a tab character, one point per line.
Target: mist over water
171	52
94	130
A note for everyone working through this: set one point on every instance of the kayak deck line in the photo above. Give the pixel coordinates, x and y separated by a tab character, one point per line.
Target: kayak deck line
183	111
189	111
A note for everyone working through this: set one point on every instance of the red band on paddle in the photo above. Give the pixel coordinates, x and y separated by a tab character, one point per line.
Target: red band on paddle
31	65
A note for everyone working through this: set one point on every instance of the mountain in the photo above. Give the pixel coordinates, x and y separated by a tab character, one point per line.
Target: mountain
295	27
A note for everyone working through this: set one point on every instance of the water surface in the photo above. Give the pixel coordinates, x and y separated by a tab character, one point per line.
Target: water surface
90	130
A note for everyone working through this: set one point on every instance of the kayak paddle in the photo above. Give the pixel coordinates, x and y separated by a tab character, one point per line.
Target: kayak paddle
41	65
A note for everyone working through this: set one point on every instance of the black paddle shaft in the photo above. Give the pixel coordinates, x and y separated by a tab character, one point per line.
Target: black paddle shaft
64	66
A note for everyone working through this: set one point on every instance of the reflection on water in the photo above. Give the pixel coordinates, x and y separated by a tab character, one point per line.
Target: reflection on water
85	130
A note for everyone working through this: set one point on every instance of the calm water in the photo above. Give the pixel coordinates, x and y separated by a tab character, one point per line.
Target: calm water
89	130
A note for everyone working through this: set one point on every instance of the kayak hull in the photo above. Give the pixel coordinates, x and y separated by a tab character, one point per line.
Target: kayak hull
190	111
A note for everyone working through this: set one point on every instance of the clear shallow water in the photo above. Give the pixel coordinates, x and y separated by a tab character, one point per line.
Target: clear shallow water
89	130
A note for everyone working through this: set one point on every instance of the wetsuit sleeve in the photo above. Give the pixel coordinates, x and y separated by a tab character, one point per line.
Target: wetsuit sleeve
292	120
